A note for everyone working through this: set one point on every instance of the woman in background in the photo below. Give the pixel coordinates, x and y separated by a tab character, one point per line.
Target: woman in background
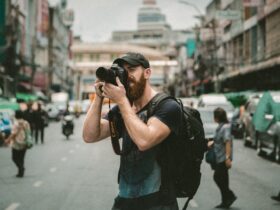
223	153
18	143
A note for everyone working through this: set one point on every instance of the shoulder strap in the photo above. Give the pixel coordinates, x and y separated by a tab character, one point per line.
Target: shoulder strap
155	101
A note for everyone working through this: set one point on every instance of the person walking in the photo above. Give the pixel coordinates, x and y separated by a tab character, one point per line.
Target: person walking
223	153
39	123
18	143
140	181
28	115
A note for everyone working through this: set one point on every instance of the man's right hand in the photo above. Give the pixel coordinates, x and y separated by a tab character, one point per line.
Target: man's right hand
98	85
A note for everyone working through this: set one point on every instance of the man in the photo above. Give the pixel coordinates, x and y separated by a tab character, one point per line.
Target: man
40	116
140	175
28	115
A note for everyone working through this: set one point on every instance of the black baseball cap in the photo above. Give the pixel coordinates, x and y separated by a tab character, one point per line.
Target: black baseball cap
134	59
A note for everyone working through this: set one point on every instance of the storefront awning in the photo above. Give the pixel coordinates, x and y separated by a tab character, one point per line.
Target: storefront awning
5	104
26	97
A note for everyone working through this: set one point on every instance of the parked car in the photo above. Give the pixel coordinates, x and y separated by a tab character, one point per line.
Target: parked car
189	101
268	142
209	125
53	112
214	101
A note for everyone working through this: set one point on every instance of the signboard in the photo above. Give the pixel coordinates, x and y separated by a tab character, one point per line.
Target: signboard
251	3
228	15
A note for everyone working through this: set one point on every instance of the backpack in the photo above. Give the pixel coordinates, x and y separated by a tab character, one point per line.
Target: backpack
185	153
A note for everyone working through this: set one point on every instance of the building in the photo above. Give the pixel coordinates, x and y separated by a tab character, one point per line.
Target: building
87	57
32	38
154	32
252	48
59	44
238	47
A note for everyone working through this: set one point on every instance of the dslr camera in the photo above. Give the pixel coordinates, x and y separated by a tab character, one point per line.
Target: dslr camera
109	75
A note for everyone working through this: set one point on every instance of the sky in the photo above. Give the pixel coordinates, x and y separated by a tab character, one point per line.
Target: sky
96	19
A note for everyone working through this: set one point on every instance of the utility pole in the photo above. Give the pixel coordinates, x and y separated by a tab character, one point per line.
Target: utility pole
50	52
214	55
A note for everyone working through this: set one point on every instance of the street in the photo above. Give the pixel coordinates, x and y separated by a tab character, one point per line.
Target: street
70	174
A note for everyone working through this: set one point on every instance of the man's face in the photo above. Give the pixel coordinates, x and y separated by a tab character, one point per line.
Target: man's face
137	82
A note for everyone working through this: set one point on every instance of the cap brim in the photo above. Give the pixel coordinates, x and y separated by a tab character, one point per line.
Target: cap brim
130	61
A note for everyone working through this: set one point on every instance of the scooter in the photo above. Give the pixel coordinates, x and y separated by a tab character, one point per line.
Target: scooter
67	125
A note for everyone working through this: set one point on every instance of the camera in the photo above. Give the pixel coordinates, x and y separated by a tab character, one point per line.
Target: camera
109	75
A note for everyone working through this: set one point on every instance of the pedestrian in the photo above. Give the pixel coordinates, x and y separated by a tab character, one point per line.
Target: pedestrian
39	116
139	173
28	115
17	141
276	197
223	153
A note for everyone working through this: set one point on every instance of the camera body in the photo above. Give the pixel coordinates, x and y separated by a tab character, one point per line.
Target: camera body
109	75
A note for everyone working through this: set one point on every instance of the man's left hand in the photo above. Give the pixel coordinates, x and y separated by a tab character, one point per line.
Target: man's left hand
113	92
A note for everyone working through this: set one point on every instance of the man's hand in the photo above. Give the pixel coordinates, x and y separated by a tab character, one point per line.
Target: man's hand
113	92
98	85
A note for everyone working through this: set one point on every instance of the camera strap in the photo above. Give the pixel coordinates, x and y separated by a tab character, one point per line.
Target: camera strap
114	132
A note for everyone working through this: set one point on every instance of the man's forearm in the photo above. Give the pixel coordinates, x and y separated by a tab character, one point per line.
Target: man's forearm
92	127
138	130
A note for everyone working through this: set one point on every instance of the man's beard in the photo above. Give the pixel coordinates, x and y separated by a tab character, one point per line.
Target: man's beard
137	90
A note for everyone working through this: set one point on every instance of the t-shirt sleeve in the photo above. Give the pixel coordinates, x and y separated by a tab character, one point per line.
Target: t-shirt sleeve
169	112
226	133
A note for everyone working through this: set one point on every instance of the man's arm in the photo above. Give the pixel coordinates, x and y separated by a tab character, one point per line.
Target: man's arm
145	136
95	128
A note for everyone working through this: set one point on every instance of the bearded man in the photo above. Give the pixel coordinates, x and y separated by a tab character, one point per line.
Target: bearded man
140	174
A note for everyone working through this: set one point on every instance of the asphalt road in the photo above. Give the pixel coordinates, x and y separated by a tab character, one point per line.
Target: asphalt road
70	175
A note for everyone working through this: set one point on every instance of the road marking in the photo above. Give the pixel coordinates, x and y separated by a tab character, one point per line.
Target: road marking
13	206
193	203
71	151
37	184
64	159
53	169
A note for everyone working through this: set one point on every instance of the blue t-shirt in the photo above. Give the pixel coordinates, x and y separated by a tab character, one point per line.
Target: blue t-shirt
222	134
140	172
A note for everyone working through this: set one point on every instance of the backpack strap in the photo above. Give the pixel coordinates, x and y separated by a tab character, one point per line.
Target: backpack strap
155	101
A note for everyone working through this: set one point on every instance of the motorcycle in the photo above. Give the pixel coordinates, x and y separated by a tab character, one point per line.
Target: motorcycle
67	125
